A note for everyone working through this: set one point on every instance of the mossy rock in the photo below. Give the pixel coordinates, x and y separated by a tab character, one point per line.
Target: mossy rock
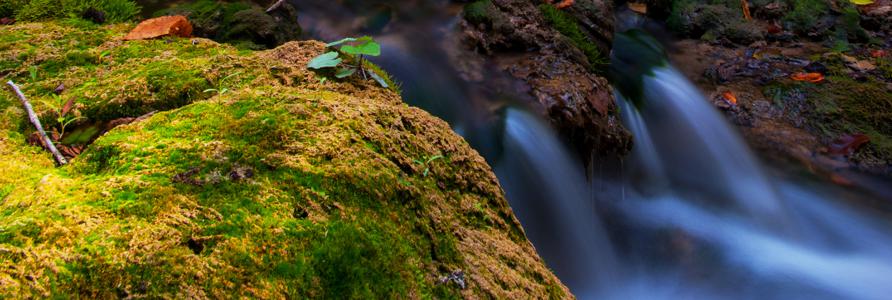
280	187
244	23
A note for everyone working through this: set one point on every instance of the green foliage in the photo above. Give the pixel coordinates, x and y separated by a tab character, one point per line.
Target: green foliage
221	87
36	10
325	60
350	47
426	163
568	26
479	12
805	13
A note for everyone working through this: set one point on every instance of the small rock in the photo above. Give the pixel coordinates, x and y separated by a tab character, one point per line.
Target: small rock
59	89
816	67
458	277
7	21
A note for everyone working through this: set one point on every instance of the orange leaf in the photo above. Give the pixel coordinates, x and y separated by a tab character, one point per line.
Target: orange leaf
810	77
730	97
564	4
877	53
161	26
640	8
746	10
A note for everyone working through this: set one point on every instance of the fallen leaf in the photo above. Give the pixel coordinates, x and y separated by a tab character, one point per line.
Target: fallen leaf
7	21
848	144
640	8
862	2
160	27
810	77
729	97
862	66
563	4
68	105
746	10
877	53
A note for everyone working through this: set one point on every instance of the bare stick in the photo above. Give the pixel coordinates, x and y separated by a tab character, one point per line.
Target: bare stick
33	117
275	6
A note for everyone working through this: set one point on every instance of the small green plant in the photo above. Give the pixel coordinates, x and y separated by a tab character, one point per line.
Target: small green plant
357	47
426	163
221	88
32	71
61	109
102	55
5	191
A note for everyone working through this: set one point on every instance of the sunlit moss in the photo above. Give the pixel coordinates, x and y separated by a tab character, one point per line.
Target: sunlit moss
282	186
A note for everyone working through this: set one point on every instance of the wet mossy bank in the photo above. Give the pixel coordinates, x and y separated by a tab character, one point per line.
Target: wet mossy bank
271	184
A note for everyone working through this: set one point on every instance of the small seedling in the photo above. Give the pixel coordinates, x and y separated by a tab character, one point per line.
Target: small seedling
221	89
358	47
426	164
60	108
33	72
103	55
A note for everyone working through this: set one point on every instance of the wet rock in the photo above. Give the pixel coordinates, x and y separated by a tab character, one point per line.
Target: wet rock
563	53
241	22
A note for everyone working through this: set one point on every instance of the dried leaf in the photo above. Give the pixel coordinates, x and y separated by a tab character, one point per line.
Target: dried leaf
563	4
640	8
68	105
729	97
809	77
848	144
160	27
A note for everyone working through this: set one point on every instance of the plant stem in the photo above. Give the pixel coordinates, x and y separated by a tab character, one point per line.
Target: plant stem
34	120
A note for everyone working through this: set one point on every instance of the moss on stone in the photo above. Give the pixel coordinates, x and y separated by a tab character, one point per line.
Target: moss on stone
281	187
241	23
479	12
805	13
569	27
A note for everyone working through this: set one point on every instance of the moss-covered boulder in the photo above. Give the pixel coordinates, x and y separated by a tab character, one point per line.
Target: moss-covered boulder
254	179
244	23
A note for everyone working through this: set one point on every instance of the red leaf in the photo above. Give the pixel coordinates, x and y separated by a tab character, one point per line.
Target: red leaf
810	77
848	144
67	107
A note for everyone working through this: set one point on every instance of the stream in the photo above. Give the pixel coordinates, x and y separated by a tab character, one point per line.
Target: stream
692	213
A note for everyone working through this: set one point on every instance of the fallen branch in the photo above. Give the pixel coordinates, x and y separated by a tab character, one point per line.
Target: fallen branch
33	117
275	6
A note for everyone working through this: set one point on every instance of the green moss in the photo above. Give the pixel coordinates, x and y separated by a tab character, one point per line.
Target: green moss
281	187
243	24
35	10
479	12
836	113
569	27
805	13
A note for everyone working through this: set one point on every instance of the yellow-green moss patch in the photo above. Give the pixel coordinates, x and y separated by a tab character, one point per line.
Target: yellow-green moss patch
282	186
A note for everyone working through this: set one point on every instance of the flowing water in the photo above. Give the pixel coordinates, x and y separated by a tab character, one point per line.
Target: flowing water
711	223
691	214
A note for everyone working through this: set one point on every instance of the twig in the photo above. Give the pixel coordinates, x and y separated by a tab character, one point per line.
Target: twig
33	117
275	6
